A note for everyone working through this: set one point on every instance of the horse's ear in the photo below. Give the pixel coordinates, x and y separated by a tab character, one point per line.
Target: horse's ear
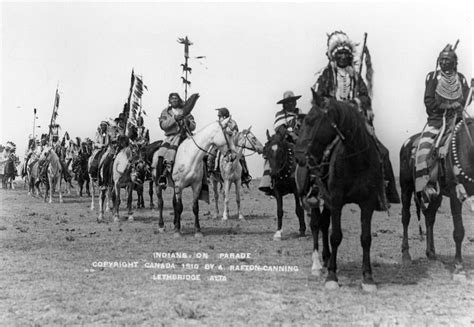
249	128
317	99
268	135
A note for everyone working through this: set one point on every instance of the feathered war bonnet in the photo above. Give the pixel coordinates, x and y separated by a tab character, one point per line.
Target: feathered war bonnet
339	40
449	53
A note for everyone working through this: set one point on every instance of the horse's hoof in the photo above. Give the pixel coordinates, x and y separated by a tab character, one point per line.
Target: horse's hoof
177	235
277	236
331	285
406	259
241	217
116	219
224	219
198	235
431	256
161	230
215	216
369	287
316	272
130	218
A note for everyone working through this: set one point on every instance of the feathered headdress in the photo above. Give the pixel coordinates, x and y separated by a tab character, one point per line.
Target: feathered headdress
339	40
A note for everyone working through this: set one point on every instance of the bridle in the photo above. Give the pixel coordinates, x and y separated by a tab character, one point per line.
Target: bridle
243	146
223	128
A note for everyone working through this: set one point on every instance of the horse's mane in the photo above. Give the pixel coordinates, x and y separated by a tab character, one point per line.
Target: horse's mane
350	122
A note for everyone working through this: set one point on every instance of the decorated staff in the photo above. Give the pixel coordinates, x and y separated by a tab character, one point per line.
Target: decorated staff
133	108
185	66
53	127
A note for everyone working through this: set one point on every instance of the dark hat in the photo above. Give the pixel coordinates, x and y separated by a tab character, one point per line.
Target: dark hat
224	112
288	96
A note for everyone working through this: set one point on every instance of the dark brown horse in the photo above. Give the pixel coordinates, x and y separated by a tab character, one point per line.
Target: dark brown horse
79	167
456	182
351	173
279	152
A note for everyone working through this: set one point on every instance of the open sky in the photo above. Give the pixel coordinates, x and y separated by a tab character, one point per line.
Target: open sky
254	52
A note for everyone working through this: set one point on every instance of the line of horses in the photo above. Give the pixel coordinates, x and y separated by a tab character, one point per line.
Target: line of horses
346	167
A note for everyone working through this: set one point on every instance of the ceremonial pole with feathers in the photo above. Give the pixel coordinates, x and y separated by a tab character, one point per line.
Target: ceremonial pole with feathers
369	72
52	125
188	103
134	102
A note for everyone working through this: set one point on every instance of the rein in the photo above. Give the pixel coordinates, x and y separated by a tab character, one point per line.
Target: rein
198	146
247	148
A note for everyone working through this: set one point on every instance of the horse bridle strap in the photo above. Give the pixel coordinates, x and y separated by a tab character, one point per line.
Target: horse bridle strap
204	150
247	148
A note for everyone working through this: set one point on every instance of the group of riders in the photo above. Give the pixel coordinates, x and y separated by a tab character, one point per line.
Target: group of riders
446	92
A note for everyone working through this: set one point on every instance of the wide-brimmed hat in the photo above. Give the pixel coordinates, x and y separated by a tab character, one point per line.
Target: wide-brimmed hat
224	112
288	96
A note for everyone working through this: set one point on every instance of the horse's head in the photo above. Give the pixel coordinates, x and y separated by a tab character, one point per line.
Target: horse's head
317	129
247	140
140	172
279	153
45	154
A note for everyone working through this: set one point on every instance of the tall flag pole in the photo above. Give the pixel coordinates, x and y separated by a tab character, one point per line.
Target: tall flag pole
185	66
34	123
134	104
52	125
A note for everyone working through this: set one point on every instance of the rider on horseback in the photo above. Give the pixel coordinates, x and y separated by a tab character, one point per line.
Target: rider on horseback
101	143
340	80
446	93
174	124
42	167
212	165
287	121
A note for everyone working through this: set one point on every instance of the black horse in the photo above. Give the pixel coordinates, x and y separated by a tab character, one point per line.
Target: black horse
279	152
456	181
10	172
79	168
350	173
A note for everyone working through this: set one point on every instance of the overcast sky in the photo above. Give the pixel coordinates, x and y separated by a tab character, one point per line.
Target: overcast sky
254	52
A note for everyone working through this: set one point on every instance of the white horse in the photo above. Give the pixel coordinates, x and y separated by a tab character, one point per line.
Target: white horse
188	169
231	171
54	173
124	173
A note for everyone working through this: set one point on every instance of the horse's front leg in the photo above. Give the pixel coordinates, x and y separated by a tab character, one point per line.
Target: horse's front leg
59	191
92	191
178	209
367	210
315	226
430	217
406	215
458	233
101	198
225	213
150	193
336	239
116	202
197	226
216	197
160	203
237	199
279	201
129	201
299	213
52	185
